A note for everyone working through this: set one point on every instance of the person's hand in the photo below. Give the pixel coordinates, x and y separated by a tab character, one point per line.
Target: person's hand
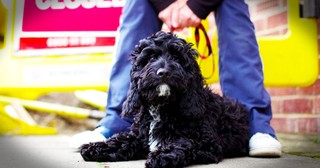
178	16
182	16
166	14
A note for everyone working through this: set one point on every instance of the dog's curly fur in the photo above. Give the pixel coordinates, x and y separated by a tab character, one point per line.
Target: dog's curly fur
178	121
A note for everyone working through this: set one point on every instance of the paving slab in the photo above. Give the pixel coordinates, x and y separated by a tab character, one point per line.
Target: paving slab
53	152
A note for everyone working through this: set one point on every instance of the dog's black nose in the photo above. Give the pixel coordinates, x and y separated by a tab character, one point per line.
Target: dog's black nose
162	72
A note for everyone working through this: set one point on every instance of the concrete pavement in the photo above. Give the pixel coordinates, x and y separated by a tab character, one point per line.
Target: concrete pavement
53	152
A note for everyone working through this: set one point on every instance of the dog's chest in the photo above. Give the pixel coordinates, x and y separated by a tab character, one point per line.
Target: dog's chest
153	140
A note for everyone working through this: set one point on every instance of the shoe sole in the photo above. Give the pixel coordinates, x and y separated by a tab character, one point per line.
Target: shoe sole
265	152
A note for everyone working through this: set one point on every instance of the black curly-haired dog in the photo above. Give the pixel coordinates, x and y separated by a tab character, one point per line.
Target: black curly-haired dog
178	121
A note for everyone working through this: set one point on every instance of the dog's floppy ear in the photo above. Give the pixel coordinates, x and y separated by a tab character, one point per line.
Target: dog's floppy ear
194	97
192	105
132	104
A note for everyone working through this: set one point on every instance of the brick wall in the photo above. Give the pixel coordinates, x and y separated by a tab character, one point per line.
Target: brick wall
295	109
269	16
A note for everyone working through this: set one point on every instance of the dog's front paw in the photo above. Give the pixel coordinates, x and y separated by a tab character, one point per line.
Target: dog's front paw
98	151
154	161
163	160
87	152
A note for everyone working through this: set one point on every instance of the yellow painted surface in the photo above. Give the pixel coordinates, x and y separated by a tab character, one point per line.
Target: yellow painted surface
288	60
292	59
32	76
16	126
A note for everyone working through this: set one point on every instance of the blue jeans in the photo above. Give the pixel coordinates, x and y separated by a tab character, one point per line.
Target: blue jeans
240	66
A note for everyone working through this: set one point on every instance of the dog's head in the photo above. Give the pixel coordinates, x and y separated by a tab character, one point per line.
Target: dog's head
164	69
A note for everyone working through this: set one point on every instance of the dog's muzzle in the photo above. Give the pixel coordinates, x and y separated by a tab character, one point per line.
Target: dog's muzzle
162	72
164	90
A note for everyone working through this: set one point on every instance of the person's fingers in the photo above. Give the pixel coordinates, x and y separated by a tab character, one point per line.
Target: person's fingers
178	15
175	16
165	15
165	20
183	16
188	18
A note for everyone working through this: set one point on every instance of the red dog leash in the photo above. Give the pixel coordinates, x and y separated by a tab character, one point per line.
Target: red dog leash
208	43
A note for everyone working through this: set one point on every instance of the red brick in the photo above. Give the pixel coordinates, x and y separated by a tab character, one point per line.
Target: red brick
296	125
283	125
267	5
307	125
310	90
300	105
276	106
259	24
277	20
316	87
281	91
284	3
317	105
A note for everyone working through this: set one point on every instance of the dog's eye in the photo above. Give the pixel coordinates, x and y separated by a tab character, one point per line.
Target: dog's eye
152	58
176	58
143	60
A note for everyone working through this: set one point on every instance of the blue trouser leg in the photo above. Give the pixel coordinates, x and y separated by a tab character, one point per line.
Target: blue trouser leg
240	66
139	20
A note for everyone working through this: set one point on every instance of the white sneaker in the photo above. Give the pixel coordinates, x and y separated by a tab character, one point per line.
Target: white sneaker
264	145
85	138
